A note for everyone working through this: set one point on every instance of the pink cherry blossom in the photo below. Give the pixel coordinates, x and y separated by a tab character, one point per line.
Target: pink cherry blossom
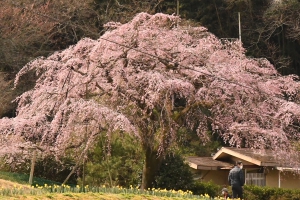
148	78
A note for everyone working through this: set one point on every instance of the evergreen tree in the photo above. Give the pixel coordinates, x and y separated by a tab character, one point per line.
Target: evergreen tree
174	174
115	163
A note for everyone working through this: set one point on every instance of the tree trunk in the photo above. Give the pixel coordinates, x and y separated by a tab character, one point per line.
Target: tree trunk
70	174
151	166
32	167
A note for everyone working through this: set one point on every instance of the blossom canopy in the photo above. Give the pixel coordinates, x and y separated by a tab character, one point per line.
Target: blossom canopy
148	78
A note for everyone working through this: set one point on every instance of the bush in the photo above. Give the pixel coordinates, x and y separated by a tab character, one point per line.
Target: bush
268	193
52	169
209	188
174	174
119	164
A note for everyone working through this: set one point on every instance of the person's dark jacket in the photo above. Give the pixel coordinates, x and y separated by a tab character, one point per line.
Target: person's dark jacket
236	177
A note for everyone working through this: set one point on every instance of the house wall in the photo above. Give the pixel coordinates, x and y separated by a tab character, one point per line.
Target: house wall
219	177
288	180
272	177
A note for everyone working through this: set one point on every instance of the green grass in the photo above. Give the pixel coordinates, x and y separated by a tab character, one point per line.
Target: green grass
23	179
15	186
89	196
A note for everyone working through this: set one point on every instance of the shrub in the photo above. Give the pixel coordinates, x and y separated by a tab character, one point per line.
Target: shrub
118	164
209	188
268	193
174	174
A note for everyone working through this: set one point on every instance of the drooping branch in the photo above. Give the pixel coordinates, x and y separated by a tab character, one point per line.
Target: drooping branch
165	78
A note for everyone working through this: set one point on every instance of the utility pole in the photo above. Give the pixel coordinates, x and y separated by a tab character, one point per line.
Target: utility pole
240	31
240	36
177	8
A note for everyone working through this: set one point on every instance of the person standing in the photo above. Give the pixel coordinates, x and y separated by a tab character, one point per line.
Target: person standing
236	179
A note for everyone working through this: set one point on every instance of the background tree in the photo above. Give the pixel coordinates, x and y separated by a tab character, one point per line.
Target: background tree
123	10
120	165
37	28
190	144
263	34
174	174
281	33
30	29
148	78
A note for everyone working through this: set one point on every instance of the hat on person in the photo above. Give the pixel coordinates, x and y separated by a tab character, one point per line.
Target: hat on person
224	190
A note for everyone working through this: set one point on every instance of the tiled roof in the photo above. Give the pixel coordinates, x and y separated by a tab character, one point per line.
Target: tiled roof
207	163
226	156
256	157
